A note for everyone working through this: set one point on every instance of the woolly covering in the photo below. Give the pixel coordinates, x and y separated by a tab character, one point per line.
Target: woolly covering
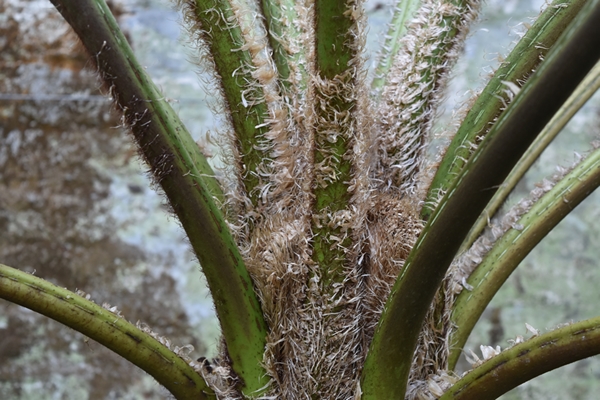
322	315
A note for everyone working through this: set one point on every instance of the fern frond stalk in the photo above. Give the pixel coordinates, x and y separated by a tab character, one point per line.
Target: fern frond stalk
394	342
107	328
324	266
216	25
402	15
527	360
497	265
417	76
582	94
173	157
518	66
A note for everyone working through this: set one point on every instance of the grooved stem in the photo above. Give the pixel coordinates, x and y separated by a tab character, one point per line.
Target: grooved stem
215	23
515	244
584	91
109	329
335	125
528	360
166	146
519	64
389	359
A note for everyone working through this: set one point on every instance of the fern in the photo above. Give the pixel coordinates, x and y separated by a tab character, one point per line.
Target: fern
332	250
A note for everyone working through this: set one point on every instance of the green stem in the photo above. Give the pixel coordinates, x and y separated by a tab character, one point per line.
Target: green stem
332	34
284	37
580	96
411	95
215	23
335	103
389	359
107	328
515	244
166	146
523	59
528	360
393	42
276	28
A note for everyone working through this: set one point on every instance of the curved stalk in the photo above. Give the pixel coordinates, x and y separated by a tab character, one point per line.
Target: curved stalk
284	37
393	42
388	362
107	328
417	77
515	244
580	96
172	156
519	64
215	23
276	28
528	360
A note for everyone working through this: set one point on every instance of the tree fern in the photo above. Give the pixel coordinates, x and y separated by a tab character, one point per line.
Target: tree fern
331	250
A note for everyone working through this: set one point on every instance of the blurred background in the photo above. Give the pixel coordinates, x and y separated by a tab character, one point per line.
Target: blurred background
77	208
